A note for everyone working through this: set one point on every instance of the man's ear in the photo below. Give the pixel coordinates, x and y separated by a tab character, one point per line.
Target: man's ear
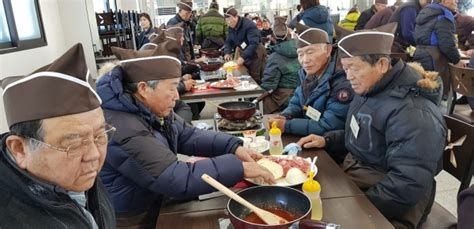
18	147
329	49
384	64
142	90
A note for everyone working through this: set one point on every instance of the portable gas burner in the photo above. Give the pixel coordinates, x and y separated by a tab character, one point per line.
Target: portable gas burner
212	75
237	127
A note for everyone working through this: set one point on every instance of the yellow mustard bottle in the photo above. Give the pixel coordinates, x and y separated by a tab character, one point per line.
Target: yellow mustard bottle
312	189
276	145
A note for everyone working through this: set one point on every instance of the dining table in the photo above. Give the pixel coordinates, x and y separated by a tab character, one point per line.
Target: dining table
343	202
227	94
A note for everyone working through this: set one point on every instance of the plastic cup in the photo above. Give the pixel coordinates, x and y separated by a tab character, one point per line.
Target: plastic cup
247	142
250	134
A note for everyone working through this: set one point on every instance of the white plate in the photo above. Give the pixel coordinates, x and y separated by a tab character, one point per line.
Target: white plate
249	87
267	147
282	181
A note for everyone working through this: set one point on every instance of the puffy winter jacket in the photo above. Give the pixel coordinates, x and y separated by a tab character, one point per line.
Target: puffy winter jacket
331	97
281	70
365	17
435	26
187	49
211	24
402	133
316	17
141	164
350	20
246	36
405	16
27	202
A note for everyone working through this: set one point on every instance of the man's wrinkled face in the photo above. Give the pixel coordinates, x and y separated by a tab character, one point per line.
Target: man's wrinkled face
313	58
71	172
424	3
361	74
232	21
162	99
185	15
450	4
380	6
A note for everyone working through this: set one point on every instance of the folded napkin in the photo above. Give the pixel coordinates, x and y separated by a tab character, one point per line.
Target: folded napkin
203	126
292	148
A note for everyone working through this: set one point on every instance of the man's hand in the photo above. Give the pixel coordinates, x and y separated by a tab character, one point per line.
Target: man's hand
189	84
247	155
187	76
240	61
200	59
461	64
312	141
227	57
254	170
280	122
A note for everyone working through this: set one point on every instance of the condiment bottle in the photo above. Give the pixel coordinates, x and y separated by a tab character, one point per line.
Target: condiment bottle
229	72
276	145
312	189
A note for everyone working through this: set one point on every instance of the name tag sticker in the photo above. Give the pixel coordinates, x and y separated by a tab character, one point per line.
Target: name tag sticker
354	126
243	45
313	113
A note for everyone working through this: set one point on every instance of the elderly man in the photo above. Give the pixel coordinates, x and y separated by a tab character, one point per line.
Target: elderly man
280	76
244	35
395	132
211	29
366	15
55	149
142	166
435	41
405	16
184	16
321	102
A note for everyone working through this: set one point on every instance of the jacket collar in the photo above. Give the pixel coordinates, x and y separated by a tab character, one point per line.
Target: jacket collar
34	184
387	78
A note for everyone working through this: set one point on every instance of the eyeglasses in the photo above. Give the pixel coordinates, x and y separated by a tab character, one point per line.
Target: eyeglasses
77	149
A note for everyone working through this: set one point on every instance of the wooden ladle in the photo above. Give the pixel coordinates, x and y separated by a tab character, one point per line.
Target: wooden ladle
215	104
267	217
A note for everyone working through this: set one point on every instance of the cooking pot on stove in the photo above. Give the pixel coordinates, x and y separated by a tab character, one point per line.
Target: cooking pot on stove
290	200
237	110
240	110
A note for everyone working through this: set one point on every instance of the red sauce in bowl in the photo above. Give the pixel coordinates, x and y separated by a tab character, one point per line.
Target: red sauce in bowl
253	218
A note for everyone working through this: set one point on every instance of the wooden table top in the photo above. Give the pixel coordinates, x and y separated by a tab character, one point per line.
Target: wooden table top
221	93
343	202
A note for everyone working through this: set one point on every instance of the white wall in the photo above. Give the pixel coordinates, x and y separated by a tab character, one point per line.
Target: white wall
65	23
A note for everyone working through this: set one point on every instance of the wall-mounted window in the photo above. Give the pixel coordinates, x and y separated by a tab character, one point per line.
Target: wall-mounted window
21	26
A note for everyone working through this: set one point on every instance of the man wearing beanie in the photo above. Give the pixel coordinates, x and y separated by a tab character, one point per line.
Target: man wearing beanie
367	14
395	133
211	29
50	159
435	40
142	166
185	10
321	101
244	35
281	70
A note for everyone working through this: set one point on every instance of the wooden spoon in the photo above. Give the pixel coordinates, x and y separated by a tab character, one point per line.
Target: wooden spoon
267	217
214	104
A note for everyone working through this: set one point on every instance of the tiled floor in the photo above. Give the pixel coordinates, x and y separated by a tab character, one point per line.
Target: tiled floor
446	188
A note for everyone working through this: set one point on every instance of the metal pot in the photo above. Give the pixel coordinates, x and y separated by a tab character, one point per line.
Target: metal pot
211	66
240	111
237	110
212	53
288	199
